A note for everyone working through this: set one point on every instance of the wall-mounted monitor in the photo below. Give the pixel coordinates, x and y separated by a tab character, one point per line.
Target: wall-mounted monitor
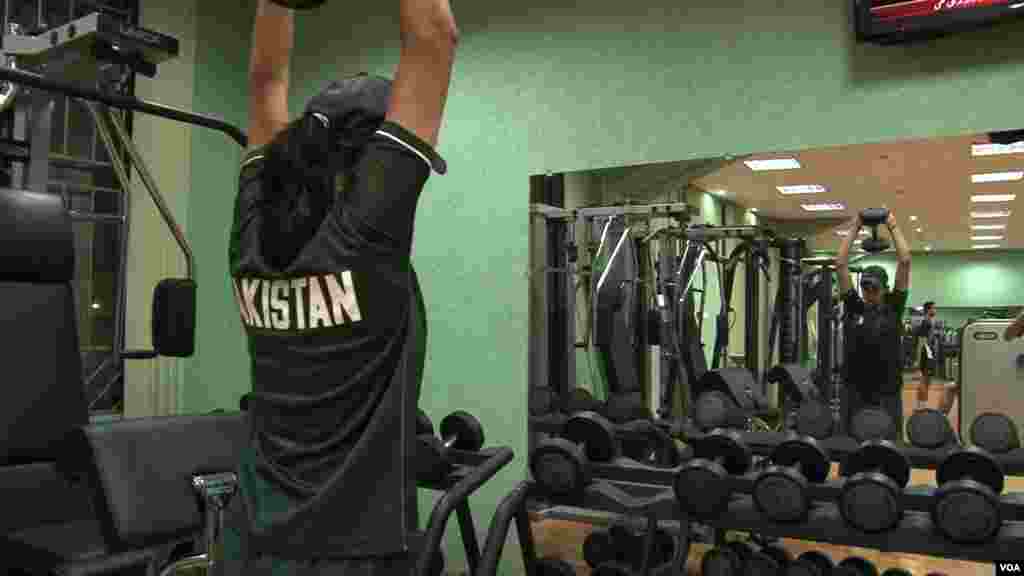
901	21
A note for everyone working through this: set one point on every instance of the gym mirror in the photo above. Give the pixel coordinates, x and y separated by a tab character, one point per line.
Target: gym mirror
630	267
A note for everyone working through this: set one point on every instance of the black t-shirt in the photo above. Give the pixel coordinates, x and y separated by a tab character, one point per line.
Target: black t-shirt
874	343
337	344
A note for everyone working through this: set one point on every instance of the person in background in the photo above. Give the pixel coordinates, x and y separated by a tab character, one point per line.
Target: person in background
874	330
927	334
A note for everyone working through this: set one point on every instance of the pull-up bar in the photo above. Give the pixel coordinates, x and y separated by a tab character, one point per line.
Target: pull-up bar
31	80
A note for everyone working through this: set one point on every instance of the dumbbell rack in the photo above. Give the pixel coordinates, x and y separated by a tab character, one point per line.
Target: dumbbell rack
471	470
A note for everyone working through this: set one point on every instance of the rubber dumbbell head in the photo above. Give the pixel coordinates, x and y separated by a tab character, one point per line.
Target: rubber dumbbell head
780	491
716	409
873	218
814	419
810	563
930	429
871	424
996	433
645	442
966	504
459	431
462	431
698	484
754	562
855	566
876	475
561	466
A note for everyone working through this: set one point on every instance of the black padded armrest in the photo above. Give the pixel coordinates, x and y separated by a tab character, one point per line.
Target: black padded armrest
142	469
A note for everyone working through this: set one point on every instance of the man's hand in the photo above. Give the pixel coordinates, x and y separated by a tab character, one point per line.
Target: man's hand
891	220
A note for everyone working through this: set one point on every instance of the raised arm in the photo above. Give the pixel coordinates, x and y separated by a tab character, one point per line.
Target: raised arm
428	37
268	72
843	258
902	282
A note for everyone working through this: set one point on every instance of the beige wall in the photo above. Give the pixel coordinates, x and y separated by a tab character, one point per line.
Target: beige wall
154	387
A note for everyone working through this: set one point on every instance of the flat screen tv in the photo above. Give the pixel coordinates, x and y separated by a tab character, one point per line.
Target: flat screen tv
901	21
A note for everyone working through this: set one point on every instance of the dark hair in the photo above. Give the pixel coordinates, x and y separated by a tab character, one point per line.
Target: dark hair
298	182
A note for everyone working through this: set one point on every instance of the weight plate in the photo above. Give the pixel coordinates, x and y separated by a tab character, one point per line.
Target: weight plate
781	495
581	400
996	433
971	463
814	419
870	502
871	424
554	567
423	424
713	409
966	512
806	453
929	429
465	428
727	445
815	563
721	562
613	569
559	466
700	490
595	433
598	548
859	566
881	456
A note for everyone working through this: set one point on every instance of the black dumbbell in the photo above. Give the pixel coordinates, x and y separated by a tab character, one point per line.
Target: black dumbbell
995	433
459	431
855	566
873	218
871	423
814	419
699	484
628	544
716	409
780	490
930	429
561	466
897	572
599	548
810	563
738	558
876	475
966	504
423	424
554	567
647	443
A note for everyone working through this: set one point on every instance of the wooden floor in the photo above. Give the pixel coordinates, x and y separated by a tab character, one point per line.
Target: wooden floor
564	539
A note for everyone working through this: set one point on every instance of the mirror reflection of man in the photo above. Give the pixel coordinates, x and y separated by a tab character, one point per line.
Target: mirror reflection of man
874	330
927	336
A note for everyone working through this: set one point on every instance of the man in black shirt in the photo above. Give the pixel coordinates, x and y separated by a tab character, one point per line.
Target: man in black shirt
874	331
331	306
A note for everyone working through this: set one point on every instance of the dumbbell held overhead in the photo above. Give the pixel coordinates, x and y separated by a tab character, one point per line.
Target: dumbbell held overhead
873	218
698	484
561	466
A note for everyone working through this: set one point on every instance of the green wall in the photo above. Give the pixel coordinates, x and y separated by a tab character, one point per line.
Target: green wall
541	88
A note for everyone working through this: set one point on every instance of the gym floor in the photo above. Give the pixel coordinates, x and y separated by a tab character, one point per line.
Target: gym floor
564	539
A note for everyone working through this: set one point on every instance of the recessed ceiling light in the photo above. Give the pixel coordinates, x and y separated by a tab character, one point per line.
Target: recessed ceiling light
989	227
984	238
997	149
993	197
913	218
995	214
773	164
754	210
802	189
824	207
928	248
985	246
997	177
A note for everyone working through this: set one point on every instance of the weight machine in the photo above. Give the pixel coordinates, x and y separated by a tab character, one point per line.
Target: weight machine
75	60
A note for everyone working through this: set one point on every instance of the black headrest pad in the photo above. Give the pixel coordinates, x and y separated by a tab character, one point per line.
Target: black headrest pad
36	244
141	470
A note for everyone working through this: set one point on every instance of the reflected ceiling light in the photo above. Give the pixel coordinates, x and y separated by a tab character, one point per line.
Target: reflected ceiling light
994	214
802	189
997	149
719	193
773	164
984	238
985	246
754	210
919	230
913	218
997	177
824	207
96	306
993	197
928	248
977	227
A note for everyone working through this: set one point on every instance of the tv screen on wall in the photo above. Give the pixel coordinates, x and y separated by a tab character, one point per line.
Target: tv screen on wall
897	21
